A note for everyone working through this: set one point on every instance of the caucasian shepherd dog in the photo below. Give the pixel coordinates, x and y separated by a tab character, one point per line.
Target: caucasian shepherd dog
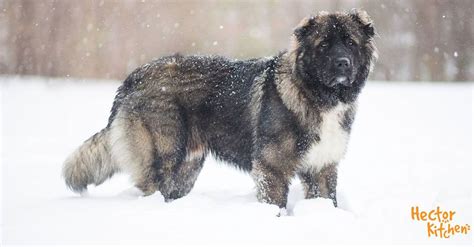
276	117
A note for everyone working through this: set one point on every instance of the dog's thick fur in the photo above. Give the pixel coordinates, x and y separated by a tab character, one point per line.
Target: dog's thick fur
275	117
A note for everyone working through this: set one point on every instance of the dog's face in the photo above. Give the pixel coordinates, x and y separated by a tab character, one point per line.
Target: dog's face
334	49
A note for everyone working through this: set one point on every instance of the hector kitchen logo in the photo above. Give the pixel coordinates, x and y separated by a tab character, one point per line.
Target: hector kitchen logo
439	222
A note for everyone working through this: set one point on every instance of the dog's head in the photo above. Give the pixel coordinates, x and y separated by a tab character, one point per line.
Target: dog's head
335	50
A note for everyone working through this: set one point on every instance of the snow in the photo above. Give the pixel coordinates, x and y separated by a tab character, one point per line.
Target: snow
411	146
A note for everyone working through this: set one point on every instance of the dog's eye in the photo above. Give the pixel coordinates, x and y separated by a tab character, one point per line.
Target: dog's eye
324	44
350	42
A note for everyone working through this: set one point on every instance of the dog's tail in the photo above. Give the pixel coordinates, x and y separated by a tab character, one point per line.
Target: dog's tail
91	163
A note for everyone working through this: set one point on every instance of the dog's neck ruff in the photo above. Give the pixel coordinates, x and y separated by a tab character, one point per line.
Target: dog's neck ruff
331	145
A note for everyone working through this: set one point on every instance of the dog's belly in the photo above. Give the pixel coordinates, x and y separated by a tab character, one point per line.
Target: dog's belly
333	141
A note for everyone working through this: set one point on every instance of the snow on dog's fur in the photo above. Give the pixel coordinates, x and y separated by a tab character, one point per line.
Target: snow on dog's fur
275	117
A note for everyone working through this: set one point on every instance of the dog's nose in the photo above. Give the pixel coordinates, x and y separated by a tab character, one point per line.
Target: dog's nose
342	63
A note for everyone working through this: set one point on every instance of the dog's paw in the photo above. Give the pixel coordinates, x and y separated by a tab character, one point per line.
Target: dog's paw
283	212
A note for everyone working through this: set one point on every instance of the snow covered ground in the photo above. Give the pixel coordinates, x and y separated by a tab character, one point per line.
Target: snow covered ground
411	146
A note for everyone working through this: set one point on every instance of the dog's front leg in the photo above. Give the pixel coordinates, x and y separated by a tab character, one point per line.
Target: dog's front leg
328	182
321	183
272	183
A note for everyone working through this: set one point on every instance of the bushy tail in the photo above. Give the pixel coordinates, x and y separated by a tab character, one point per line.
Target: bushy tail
91	163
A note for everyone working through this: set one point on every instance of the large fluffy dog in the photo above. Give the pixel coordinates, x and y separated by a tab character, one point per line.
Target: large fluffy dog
275	117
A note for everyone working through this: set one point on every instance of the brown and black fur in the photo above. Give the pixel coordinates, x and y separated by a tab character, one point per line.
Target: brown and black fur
262	115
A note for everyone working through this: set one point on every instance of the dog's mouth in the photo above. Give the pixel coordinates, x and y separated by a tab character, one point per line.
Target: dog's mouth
340	80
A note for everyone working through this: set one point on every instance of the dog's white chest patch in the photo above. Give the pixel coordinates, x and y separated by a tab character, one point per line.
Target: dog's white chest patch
333	140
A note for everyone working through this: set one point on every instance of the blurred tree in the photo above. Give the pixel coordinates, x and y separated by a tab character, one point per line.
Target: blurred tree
22	21
461	25
428	33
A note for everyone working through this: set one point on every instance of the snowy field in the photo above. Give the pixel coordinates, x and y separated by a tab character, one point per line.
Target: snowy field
411	146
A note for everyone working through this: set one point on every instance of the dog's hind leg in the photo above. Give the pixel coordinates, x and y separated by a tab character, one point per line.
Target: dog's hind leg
132	150
180	182
175	168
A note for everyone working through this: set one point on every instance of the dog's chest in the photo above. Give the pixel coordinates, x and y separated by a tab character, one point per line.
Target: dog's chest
333	139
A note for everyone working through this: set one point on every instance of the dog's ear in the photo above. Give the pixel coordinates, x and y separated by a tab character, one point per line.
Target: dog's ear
304	27
361	17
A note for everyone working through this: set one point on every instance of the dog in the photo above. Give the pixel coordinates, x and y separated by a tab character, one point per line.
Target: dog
276	118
